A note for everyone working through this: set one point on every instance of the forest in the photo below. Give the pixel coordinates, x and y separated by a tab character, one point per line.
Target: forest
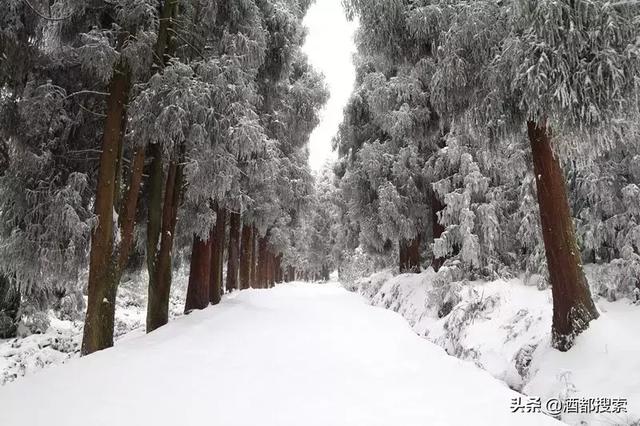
154	156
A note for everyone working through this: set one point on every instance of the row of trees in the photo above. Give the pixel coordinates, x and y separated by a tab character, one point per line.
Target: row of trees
433	162
152	129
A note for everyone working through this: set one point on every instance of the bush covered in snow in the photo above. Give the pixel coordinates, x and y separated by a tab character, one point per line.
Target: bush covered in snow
51	337
503	326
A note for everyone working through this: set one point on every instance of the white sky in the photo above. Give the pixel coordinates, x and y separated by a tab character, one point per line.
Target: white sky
330	48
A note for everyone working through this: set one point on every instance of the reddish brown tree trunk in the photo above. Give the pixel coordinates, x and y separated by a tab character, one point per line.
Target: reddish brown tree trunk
160	228
102	286
267	268
573	307
262	262
437	228
217	257
199	274
410	255
270	269
245	256
278	276
291	274
254	258
129	209
233	258
158	302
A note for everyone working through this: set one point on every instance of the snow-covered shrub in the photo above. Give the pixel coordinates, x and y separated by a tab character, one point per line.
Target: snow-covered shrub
481	192
358	264
469	307
522	360
70	306
8	326
9	308
370	286
32	321
442	295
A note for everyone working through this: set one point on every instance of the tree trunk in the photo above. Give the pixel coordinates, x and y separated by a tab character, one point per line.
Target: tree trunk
102	286
233	257
156	172
270	268
254	258
262	262
245	256
158	302
325	273
217	256
410	255
154	226
573	307
267	269
290	275
273	270
199	274
164	48
437	228
278	276
129	209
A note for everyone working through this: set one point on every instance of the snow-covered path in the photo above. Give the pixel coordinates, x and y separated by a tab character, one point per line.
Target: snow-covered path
298	355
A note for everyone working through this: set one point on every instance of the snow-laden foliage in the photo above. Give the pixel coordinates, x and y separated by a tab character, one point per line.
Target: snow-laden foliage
57	60
221	87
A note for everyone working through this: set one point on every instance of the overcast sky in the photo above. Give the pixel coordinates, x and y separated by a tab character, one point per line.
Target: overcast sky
330	48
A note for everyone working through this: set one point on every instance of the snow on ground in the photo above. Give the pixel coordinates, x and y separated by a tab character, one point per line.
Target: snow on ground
299	354
23	356
505	326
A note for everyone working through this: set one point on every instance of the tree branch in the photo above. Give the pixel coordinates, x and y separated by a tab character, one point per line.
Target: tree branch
48	18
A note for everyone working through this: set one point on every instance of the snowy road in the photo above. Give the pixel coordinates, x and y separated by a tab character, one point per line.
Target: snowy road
297	355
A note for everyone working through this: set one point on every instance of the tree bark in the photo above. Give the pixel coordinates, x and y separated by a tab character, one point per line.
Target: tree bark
254	258
154	226
278	276
269	265
217	256
129	209
199	274
291	274
325	273
233	257
573	307
437	228
102	286
262	262
158	302
245	256
410	255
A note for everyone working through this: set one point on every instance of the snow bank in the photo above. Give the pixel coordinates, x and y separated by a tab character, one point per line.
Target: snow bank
61	341
299	354
504	327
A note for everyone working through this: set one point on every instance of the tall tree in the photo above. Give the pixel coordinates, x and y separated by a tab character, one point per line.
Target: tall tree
233	257
246	252
200	274
217	257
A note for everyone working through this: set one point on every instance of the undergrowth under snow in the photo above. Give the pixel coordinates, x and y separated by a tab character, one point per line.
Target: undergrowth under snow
504	326
61	341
